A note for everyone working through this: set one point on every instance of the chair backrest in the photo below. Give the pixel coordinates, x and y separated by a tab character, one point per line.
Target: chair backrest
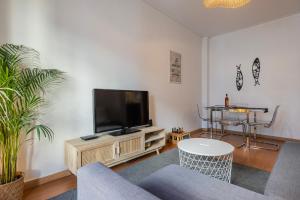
199	114
273	118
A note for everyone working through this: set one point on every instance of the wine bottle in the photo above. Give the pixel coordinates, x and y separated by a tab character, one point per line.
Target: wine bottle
226	101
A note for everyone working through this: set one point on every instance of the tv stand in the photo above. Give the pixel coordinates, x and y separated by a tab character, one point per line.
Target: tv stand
112	150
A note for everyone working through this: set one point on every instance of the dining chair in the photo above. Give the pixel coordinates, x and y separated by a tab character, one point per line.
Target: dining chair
233	122
257	124
215	121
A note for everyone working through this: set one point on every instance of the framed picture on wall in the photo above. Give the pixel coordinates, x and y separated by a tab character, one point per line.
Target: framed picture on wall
175	67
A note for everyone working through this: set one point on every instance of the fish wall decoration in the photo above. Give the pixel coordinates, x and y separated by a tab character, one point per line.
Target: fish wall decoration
256	71
239	78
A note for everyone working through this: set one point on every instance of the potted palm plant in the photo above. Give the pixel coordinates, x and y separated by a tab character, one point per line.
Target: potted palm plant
23	83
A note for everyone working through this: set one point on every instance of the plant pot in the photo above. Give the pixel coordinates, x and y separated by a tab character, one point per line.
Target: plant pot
13	190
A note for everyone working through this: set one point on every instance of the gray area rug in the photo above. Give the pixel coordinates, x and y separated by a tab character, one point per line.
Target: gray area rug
243	176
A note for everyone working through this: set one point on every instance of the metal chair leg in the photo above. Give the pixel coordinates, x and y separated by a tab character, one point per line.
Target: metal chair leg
254	132
245	140
255	141
255	146
276	146
223	134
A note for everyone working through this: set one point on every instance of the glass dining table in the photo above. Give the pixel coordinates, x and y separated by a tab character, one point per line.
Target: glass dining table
235	109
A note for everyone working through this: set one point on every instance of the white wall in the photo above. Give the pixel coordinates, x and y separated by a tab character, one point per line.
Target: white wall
104	44
277	44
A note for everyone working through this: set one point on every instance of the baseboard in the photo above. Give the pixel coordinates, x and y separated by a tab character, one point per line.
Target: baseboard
259	135
196	131
40	181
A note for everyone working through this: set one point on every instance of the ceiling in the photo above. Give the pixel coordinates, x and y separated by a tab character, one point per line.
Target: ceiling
211	22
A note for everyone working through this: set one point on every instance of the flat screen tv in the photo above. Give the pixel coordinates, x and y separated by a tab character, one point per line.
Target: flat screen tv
120	110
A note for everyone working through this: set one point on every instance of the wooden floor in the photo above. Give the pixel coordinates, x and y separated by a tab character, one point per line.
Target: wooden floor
258	158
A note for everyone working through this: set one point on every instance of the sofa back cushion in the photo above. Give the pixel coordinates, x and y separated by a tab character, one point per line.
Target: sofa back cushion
97	182
284	180
177	183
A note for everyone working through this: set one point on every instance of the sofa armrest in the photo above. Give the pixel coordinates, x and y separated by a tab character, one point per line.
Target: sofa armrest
284	180
178	183
97	182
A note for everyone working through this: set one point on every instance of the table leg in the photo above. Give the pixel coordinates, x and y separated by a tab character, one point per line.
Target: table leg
211	124
254	131
222	126
157	151
248	132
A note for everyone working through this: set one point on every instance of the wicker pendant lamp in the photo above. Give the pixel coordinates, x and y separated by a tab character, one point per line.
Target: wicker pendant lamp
225	3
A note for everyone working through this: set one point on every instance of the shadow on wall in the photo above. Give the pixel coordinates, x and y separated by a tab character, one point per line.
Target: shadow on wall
152	111
27	147
26	156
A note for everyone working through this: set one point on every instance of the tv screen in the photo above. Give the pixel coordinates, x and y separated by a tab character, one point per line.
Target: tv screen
119	109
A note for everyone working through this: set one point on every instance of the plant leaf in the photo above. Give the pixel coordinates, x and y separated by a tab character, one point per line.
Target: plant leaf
41	130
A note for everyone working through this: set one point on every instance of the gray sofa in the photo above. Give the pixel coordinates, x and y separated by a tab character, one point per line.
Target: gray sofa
173	182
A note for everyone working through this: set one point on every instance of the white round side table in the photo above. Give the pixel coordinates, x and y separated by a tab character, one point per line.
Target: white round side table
207	156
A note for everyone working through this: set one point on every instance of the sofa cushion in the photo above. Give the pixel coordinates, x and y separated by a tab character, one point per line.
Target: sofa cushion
177	183
97	182
284	180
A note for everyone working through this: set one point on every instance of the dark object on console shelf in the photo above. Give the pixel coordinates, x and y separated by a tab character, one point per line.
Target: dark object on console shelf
89	137
150	123
177	130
